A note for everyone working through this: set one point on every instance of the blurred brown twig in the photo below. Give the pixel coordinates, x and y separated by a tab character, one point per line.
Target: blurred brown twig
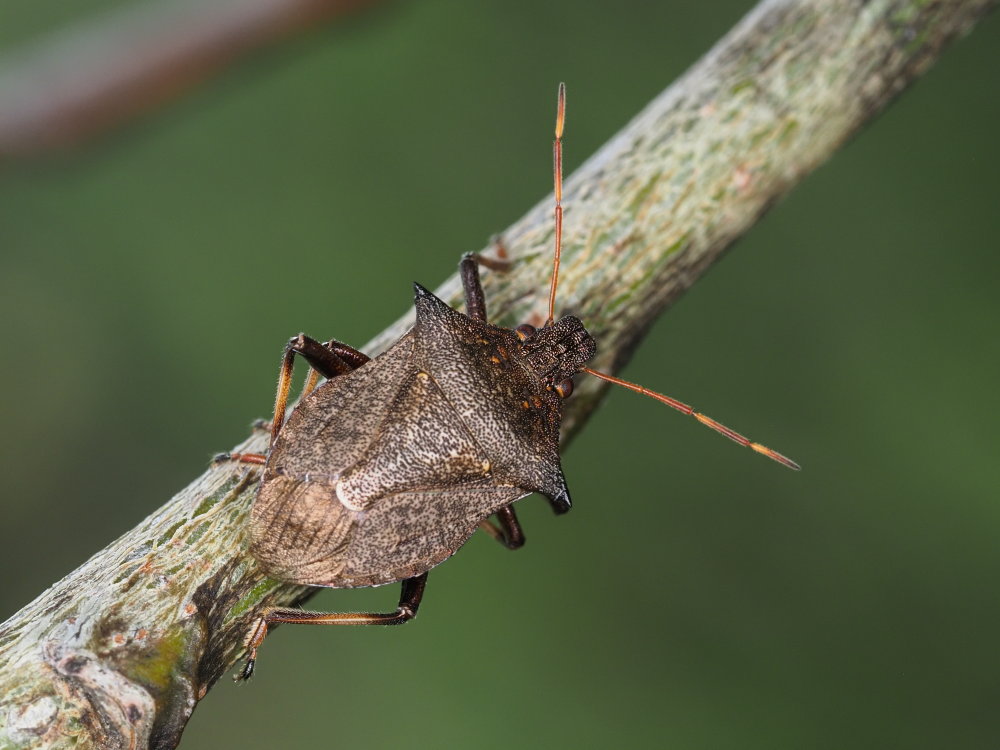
86	79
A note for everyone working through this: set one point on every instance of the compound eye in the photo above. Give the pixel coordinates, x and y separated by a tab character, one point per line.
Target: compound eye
524	331
565	388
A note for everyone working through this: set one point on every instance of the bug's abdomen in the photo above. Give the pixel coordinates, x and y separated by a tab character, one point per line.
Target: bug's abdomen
299	531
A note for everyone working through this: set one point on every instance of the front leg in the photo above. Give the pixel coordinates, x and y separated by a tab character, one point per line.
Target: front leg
327	360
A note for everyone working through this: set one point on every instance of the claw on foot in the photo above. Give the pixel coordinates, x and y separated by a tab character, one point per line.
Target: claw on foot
499	246
254	639
247	672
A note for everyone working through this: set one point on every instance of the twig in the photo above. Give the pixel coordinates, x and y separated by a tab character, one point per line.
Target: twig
86	79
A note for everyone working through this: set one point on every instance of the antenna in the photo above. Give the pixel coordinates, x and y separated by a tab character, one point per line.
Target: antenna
554	283
705	420
557	180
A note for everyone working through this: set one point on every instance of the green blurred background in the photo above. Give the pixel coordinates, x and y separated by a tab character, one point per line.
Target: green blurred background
697	596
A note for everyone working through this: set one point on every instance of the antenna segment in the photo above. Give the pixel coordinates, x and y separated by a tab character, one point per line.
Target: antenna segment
705	420
557	175
557	180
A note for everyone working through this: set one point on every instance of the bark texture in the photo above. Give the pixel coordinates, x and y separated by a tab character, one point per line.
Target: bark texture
119	652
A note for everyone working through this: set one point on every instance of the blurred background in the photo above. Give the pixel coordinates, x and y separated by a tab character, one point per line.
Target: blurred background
698	596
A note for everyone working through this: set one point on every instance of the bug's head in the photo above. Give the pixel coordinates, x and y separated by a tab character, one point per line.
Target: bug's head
556	352
560	348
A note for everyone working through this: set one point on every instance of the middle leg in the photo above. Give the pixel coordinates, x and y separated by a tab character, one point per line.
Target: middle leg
509	533
468	269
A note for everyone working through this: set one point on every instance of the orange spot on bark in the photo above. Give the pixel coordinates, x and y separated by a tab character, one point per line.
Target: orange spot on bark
742	177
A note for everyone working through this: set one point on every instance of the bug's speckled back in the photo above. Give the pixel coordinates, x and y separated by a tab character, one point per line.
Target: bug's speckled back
382	473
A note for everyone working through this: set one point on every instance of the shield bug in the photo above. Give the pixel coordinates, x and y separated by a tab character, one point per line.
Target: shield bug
387	468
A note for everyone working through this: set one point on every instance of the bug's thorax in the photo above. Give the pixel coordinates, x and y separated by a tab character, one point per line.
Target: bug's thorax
557	351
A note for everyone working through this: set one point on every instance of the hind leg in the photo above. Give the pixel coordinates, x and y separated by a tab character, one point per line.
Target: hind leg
409	602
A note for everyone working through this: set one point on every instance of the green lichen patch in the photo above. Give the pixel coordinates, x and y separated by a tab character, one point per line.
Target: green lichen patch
676	246
175	569
638	283
207	504
905	14
197	534
167	535
225	493
790	129
251	599
156	666
759	136
643	194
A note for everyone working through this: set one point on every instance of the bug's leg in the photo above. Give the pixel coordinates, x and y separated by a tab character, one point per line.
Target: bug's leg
499	247
312	380
509	533
258	459
345	354
468	269
348	354
328	360
409	601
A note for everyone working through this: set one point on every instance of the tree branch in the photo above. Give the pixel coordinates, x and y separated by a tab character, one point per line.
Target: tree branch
118	653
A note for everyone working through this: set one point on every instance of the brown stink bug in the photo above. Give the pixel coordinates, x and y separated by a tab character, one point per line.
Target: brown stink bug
387	468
